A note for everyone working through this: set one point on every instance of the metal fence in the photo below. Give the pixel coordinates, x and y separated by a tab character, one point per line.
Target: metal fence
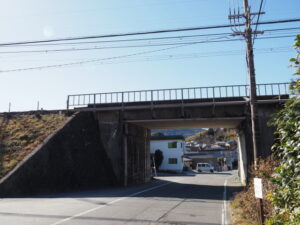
82	100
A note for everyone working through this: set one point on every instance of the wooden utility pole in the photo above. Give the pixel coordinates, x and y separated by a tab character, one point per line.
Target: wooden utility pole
247	34
252	80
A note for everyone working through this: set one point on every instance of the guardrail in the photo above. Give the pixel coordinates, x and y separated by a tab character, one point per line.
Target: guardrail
83	100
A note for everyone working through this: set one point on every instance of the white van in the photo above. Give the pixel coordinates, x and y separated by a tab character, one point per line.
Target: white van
205	167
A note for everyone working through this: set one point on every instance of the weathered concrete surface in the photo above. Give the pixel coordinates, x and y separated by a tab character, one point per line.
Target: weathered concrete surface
127	146
71	158
188	115
138	155
266	132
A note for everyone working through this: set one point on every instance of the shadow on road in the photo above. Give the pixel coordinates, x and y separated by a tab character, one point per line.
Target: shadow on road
158	190
153	189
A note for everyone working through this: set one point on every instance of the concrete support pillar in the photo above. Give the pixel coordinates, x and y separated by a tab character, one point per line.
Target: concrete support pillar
147	156
243	169
125	153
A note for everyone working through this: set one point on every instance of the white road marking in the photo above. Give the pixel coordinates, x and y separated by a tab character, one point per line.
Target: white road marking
224	208
112	202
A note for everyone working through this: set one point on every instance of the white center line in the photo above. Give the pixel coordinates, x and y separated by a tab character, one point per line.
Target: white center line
110	203
224	208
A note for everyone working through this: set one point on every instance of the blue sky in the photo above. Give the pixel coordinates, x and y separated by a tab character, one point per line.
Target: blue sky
35	20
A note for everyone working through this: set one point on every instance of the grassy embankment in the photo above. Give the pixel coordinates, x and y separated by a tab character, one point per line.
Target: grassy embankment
20	134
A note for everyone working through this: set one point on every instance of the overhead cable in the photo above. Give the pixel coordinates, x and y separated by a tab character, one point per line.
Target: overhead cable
130	46
146	32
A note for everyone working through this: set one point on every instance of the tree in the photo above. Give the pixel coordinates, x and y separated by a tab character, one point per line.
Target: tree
295	85
211	132
158	158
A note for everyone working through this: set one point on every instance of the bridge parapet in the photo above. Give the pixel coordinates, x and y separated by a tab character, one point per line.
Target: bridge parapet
159	95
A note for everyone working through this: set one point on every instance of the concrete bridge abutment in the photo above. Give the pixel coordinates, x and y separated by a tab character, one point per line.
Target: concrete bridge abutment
125	135
127	146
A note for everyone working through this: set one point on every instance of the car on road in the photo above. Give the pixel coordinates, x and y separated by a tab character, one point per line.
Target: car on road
201	167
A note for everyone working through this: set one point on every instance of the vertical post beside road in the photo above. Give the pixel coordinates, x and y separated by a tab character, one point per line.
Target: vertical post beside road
258	192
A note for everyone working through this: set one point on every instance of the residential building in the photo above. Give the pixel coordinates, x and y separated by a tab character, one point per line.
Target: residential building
219	158
173	150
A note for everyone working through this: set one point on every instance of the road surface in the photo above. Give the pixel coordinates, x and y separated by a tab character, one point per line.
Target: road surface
196	199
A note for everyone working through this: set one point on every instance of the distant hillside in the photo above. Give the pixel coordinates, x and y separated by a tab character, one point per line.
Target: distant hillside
213	135
184	132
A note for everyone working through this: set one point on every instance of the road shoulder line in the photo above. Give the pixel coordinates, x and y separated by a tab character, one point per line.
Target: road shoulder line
112	202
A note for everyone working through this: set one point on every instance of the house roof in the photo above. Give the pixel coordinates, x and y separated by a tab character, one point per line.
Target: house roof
167	137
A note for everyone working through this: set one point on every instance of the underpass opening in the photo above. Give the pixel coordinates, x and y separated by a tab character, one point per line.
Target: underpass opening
216	151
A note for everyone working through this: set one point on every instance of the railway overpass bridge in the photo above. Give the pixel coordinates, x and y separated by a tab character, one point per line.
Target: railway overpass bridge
125	119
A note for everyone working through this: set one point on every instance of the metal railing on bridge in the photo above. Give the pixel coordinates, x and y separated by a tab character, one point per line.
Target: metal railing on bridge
83	100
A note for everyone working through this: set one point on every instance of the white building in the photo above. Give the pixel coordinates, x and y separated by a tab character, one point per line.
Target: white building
173	150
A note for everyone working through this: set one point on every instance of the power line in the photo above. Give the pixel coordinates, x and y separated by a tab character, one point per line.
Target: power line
144	39
257	21
188	55
112	47
283	29
147	32
130	46
130	55
171	57
192	56
89	61
127	40
208	54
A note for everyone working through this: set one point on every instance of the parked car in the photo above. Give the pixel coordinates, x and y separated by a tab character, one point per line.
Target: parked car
205	167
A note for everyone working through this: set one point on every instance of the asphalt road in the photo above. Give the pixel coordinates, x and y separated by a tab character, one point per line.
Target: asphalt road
196	199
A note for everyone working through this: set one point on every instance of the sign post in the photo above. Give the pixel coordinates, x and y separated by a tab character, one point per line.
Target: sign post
258	192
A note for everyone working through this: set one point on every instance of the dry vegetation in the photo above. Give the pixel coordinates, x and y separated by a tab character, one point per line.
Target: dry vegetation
20	134
244	205
211	135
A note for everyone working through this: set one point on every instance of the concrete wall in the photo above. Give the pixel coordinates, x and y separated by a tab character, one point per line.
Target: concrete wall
127	146
71	158
110	135
266	133
138	155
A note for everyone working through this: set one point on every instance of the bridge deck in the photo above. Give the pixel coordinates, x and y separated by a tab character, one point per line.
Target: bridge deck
234	94
181	103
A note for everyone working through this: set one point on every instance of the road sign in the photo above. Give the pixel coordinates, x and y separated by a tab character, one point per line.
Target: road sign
258	188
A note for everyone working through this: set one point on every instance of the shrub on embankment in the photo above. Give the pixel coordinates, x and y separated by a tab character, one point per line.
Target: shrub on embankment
286	178
282	182
281	175
244	205
21	133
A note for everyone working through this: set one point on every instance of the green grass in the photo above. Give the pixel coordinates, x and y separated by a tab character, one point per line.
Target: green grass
20	134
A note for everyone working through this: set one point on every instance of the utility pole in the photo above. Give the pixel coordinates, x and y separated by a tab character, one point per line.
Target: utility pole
251	70
252	80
